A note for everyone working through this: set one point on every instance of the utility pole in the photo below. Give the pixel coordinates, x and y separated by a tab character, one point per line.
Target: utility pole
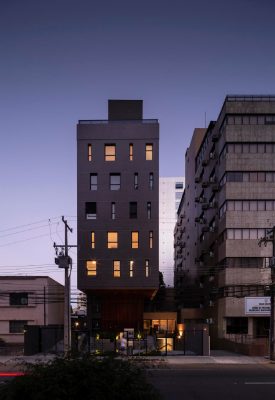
63	260
271	238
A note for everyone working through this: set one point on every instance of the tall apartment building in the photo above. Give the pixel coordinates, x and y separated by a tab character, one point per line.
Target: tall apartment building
170	193
232	204
118	215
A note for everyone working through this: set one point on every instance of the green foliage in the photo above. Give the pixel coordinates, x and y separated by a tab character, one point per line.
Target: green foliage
85	378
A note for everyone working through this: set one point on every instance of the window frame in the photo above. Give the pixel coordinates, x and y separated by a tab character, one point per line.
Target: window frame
92	237
112	240
108	154
131	152
19	299
149	151
90	152
113	185
93	185
116	269
135	239
92	268
15	329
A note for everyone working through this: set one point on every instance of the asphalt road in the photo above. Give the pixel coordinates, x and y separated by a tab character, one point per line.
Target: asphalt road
215	382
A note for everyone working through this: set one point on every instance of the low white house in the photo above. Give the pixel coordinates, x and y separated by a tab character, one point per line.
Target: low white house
28	300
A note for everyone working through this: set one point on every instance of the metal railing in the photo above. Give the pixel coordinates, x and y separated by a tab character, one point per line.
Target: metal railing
106	121
250	98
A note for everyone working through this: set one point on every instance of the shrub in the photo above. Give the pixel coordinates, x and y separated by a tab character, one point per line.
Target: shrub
89	378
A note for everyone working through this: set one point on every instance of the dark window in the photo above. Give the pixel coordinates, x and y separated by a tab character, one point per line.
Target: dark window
17	326
133	209
149	210
179	185
90	210
113	210
237	325
93	181
151	180
136	181
18	299
115	181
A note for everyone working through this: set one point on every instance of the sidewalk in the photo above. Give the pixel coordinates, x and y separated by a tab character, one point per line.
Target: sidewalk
217	357
15	363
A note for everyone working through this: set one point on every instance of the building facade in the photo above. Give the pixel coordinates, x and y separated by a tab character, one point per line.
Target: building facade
118	215
28	300
170	193
231	209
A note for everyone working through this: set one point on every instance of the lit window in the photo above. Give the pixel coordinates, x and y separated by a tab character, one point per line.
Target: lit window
147	268
116	266
90	210
136	181
89	152
92	240
131	151
133	210
149	152
91	268
151	180
151	239
149	209
112	240
93	181
110	152
115	181
131	268
113	211
134	240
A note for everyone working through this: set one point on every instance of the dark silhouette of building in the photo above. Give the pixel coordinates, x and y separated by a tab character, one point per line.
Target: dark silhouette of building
118	215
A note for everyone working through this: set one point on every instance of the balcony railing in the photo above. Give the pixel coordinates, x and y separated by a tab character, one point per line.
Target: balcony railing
106	121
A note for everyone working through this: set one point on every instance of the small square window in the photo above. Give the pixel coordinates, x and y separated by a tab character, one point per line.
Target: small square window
110	152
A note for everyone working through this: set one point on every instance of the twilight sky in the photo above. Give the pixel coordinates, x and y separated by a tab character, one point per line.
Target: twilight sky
61	60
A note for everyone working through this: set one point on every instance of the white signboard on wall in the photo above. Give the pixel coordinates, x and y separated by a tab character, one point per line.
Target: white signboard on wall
257	306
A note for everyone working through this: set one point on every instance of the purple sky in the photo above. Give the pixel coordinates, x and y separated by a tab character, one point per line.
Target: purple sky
61	60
